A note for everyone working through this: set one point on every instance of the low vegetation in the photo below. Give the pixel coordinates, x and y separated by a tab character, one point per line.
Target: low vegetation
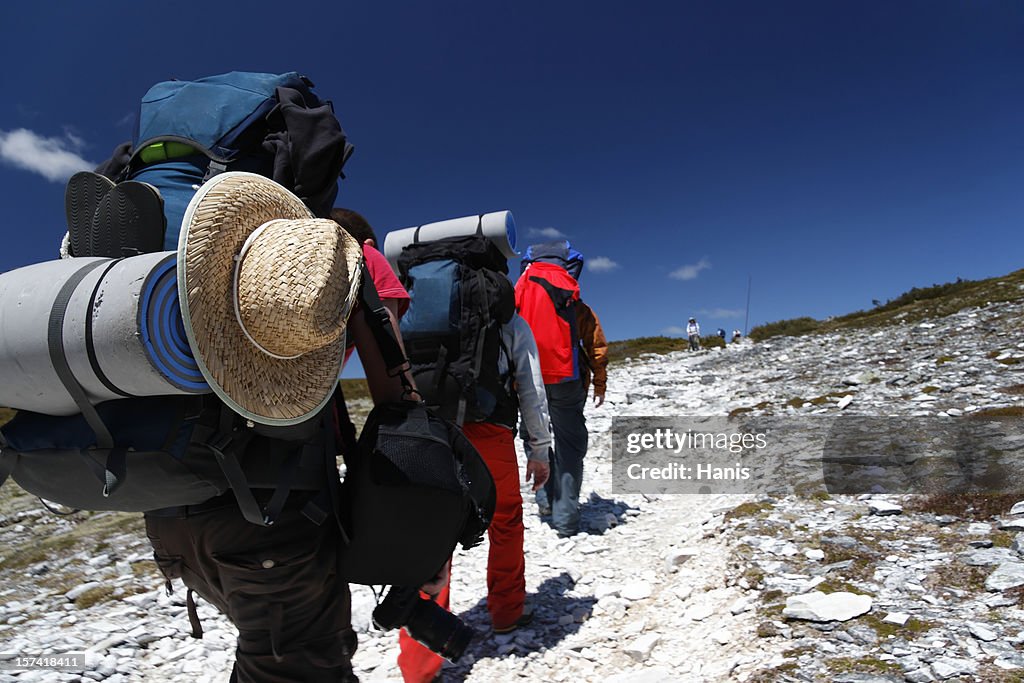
976	506
917	304
632	348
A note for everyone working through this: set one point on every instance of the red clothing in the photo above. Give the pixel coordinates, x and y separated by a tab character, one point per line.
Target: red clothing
545	294
387	284
506	567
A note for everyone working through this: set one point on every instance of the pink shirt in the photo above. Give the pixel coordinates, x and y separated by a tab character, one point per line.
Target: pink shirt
387	284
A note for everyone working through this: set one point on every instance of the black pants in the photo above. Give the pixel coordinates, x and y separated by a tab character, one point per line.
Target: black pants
279	585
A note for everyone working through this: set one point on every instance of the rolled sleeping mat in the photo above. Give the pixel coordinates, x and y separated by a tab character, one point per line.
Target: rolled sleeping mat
122	332
499	227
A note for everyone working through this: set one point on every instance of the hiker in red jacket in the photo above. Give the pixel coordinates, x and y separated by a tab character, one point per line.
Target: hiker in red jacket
572	345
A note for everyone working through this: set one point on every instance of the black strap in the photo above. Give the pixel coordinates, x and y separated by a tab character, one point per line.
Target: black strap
7	463
329	498
90	343
380	324
276	620
55	343
115	470
440	369
239	485
193	615
224	445
286	474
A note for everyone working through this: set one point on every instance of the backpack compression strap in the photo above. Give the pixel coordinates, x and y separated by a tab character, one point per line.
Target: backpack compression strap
114	471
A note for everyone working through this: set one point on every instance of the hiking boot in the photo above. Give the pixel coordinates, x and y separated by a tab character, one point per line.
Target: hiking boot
129	220
525	618
82	195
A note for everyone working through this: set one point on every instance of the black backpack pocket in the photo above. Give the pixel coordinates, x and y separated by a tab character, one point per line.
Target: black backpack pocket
149	479
415	490
154	463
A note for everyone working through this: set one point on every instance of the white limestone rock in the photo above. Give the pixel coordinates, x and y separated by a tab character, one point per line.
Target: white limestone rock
824	607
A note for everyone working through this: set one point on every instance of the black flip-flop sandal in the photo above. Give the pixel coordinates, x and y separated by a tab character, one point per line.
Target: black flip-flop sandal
82	195
128	221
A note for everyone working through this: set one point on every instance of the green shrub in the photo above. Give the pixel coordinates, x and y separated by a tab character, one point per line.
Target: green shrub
631	348
793	327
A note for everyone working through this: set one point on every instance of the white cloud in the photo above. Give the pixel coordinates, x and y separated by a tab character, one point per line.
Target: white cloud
547	233
674	329
722	312
601	264
690	272
53	158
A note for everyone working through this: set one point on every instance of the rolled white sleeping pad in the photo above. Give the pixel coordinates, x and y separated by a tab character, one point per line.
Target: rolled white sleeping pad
499	227
122	332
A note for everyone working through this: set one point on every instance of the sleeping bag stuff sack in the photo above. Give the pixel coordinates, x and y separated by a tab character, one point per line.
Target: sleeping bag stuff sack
270	124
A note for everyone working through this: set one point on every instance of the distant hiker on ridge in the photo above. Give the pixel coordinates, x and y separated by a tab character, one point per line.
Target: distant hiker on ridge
693	333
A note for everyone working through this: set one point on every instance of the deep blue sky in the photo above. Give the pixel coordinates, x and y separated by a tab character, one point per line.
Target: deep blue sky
834	152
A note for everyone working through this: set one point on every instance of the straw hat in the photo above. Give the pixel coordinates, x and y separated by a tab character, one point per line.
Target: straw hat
266	290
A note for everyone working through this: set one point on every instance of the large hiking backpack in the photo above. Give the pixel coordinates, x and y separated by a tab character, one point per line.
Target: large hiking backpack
270	124
139	454
460	296
546	297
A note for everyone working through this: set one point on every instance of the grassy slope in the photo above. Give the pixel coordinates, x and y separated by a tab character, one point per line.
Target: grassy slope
910	307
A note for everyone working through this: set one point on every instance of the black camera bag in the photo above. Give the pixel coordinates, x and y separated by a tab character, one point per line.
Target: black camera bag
414	488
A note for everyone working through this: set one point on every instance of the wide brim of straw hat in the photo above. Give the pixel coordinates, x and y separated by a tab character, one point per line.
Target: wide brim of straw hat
256	385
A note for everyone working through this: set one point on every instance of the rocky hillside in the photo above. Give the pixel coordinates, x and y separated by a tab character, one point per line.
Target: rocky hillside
799	587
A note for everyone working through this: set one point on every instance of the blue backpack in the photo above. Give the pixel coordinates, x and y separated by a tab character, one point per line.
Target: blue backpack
269	124
460	296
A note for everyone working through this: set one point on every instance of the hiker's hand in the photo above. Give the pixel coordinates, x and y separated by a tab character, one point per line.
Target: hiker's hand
538	472
440	580
598	397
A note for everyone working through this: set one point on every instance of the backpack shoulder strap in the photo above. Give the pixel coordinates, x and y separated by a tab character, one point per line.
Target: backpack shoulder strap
380	324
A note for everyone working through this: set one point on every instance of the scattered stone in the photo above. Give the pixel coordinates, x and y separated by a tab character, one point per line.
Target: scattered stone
722	637
883	508
1006	576
699	612
740	606
922	675
641	648
898	618
78	591
981	632
675	558
636	591
823	607
814	554
985	557
947	667
1018	508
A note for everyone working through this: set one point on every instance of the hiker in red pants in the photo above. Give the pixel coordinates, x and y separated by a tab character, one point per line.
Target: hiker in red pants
506	566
